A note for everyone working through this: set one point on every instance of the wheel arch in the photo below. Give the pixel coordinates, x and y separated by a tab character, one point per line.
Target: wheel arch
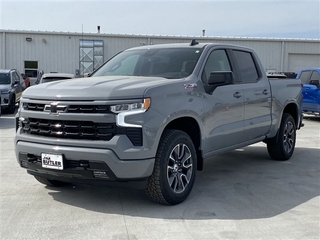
294	110
190	126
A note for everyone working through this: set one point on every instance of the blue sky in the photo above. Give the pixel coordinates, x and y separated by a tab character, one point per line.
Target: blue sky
251	18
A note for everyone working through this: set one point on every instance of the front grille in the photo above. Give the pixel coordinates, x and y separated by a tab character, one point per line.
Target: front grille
33	107
84	130
72	108
88	109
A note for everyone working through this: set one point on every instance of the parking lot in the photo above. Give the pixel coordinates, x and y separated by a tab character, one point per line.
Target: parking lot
239	195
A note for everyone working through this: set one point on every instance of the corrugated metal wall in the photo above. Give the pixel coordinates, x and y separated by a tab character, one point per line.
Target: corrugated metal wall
59	52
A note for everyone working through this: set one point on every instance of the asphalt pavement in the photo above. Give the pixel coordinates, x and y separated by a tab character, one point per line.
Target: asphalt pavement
239	195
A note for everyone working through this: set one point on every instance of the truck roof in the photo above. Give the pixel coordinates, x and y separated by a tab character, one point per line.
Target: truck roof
193	44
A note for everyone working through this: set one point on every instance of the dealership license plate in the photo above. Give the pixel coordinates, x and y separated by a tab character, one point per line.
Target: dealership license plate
52	161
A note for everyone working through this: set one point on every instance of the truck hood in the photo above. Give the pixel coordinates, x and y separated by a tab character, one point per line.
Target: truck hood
94	88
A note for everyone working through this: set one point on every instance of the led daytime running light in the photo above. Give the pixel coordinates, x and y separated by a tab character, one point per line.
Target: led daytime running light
132	106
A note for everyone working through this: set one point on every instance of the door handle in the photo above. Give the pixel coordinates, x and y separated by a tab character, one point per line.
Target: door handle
237	94
265	92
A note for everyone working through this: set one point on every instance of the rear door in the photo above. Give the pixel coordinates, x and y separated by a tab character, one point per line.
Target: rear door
257	96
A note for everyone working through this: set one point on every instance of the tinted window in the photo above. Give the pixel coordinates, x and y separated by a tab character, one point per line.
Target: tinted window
305	76
217	61
166	62
315	76
247	66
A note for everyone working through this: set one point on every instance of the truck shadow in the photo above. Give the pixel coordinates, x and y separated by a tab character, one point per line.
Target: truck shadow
243	184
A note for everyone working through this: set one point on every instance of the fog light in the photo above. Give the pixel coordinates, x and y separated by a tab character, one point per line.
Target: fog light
100	174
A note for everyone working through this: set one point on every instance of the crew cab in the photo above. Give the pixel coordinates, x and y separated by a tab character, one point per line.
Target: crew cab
310	79
155	113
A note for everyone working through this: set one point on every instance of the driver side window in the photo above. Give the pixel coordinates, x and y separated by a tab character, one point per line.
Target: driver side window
217	61
15	78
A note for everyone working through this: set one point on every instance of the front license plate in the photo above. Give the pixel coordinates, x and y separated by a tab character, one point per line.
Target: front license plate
52	161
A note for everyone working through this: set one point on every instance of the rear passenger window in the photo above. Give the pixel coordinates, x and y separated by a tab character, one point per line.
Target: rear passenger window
315	76
247	66
305	76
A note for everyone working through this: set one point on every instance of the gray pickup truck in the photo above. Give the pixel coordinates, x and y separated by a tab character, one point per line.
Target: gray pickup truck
155	113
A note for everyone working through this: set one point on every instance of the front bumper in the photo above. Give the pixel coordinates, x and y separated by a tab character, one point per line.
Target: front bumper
82	164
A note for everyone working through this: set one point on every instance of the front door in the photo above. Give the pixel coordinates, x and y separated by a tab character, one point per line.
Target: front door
224	108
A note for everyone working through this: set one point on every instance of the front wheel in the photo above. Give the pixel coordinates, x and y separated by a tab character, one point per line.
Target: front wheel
175	169
281	147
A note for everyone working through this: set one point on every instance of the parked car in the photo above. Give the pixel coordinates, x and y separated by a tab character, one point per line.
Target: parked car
11	86
26	80
50	77
310	78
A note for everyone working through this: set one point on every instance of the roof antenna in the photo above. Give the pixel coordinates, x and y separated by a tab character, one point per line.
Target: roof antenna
193	42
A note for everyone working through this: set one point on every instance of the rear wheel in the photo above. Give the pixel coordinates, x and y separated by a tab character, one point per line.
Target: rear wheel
281	147
175	169
51	183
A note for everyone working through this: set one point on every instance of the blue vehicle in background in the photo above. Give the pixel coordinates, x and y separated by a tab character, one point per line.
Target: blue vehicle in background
310	78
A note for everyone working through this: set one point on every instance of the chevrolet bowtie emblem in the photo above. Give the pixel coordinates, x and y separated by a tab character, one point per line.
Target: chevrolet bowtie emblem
55	108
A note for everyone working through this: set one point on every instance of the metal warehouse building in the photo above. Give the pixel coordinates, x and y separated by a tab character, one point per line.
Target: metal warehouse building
32	51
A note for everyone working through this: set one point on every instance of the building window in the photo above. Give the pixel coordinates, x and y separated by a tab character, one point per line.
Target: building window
31	68
91	55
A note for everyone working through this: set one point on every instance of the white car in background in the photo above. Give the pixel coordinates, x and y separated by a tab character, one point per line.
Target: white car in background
50	77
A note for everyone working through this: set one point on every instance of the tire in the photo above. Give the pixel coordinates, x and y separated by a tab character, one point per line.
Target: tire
51	183
281	147
12	105
175	169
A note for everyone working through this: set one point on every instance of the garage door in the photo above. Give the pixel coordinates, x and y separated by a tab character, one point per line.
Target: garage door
299	61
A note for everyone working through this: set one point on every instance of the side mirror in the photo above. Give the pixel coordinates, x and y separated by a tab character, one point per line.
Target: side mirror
314	82
220	77
217	79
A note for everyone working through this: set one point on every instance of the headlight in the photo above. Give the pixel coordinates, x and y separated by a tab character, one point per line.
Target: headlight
126	107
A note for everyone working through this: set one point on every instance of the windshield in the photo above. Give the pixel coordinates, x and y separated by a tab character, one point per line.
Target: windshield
167	62
5	78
